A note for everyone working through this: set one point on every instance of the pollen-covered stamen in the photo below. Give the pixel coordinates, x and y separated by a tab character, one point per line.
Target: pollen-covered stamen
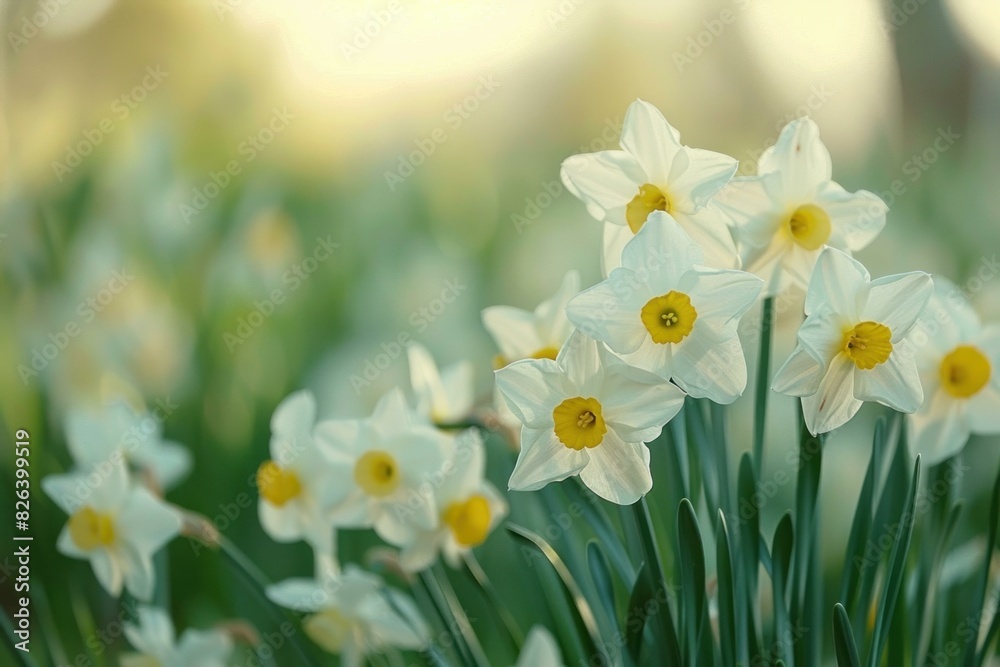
868	344
964	371
579	422
469	521
809	226
377	473
649	199
669	318
91	530
277	485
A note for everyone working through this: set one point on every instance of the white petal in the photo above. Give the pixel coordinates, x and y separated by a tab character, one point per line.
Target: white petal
88	439
706	173
140	578
897	301
822	336
299	595
388	626
529	387
939	430
513	330
280	523
637	403
108	571
204	648
662	251
706	368
618	471
168	462
653	357
983	409
544	459
614	239
425	378
801	375
606	312
579	359
768	262
856	218
109	483
422	552
66	545
147	523
648	136
540	648
709	228
834	404
603	181
801	158
550	315
295	415
837	282
722	296
69	492
747	203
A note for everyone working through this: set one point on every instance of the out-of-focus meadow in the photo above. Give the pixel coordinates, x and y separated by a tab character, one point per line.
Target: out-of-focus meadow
207	204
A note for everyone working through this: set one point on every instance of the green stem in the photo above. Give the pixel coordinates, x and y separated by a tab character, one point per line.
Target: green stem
484	583
666	632
763	383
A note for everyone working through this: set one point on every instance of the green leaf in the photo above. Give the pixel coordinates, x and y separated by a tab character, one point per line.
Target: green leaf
843	639
600	574
707	458
749	561
635	619
980	594
763	387
665	633
805	603
727	593
691	557
781	561
897	568
925	630
599	522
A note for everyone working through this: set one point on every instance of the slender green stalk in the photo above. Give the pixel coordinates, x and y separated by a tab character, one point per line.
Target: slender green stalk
443	611
665	633
496	602
763	387
458	612
721	440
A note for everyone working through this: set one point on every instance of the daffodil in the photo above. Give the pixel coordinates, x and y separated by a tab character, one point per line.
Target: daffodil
156	644
855	343
353	615
958	359
791	210
654	172
94	437
304	480
665	313
469	508
538	334
394	457
540	648
586	413
443	396
113	523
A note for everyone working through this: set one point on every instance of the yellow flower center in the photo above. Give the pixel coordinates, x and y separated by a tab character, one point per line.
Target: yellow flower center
276	484
964	371
649	199
91	530
329	629
376	473
549	352
809	226
579	422
669	318
868	344
469	521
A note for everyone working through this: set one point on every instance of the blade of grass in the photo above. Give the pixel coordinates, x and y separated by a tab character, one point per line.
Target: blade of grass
980	594
923	638
666	633
693	420
600	573
763	386
805	553
691	557
721	446
781	561
749	551
457	612
843	639
476	571
727	599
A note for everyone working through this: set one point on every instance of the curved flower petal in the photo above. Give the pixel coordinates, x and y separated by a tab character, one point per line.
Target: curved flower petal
146	522
835	285
530	387
602	313
897	301
938	431
544	459
550	315
709	228
648	136
856	217
801	375
711	369
618	471
834	404
801	158
707	173
637	403
299	595
579	358
513	330
603	181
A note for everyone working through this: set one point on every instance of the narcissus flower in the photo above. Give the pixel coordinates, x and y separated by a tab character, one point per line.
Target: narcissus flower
587	413
353	615
443	396
958	359
157	645
394	456
523	334
304	480
94	437
791	210
469	508
854	345
654	172
662	312
113	523
540	648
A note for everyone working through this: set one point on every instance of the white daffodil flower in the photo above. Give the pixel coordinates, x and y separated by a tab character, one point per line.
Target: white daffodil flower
654	172
790	211
157	645
587	413
854	344
353	615
663	312
113	523
93	438
540	649
304	480
957	358
443	397
523	334
394	457
470	508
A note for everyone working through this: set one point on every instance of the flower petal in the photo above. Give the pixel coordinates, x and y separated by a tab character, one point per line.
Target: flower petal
662	251
709	368
801	375
604	181
579	358
834	403
299	595
618	471
836	284
897	301
147	523
513	330
894	383
544	459
550	315
939	430
709	228
531	388
605	312
801	158
637	403
108	571
856	217
707	172
648	136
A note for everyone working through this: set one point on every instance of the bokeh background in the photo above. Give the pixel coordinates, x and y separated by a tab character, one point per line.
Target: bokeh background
206	149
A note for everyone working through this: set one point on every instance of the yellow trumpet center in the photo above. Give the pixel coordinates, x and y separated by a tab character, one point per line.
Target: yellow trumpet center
964	371
277	485
549	352
91	530
329	628
376	473
579	422
669	318
809	226
469	521
649	199
868	344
